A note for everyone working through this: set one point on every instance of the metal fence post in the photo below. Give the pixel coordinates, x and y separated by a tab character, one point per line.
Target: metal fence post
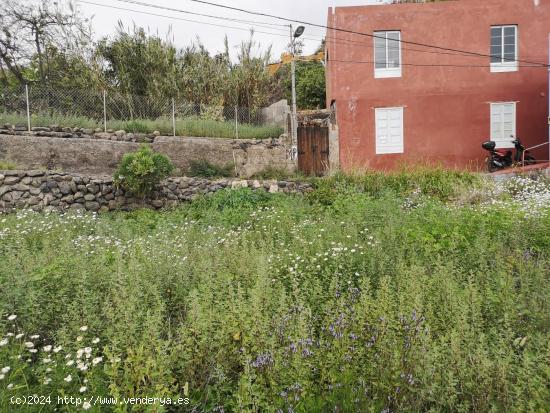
28	108
174	116
236	122
104	111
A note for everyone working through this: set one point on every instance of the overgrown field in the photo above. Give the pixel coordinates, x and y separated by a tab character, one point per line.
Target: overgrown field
189	126
410	293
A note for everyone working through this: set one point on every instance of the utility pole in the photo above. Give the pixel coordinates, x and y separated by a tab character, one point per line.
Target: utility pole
294	118
294	121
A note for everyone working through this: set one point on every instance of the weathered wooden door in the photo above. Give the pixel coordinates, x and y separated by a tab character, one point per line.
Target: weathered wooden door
313	149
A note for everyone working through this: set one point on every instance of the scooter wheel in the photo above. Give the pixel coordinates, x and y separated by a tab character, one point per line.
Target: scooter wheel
490	165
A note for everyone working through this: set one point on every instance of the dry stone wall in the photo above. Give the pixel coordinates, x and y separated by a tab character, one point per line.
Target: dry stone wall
50	191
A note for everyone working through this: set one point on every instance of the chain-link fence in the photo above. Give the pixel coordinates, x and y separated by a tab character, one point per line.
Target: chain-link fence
33	106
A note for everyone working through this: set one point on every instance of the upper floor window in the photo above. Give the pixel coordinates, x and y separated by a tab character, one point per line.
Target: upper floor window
387	54
504	48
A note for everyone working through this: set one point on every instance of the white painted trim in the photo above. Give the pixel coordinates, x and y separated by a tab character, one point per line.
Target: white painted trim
513	66
387	72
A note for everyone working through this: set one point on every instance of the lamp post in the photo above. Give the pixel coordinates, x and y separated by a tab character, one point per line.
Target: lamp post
294	121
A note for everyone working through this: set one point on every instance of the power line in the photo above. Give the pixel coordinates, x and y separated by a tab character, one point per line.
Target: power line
427	65
181	19
139	3
448	49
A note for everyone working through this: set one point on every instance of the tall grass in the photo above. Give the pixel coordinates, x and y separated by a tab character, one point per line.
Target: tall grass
191	126
263	302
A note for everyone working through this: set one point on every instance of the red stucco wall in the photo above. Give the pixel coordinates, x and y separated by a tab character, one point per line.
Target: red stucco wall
447	112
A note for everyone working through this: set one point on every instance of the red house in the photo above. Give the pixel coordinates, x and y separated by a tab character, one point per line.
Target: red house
396	99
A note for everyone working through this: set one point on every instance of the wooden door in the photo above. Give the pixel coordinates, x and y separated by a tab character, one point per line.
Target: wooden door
313	150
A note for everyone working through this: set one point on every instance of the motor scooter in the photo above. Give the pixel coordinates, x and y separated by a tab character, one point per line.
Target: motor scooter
502	158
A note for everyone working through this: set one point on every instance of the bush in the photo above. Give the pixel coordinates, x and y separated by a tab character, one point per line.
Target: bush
206	169
139	172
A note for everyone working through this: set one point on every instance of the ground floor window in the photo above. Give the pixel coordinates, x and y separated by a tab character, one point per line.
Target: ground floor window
389	130
503	123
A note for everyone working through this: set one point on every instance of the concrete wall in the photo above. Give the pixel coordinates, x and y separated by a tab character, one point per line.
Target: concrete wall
99	156
447	112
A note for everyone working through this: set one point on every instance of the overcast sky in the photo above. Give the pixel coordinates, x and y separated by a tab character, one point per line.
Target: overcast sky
183	32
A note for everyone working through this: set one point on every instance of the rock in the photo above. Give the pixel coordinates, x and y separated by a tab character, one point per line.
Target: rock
78	195
98	130
65	188
140	137
40	129
4	189
91	206
256	184
76	206
92	188
120	133
157	203
26	180
33	200
102	135
156	133
34	191
89	197
51	184
88	131
35	173
20	187
7	197
10	180
239	184
273	188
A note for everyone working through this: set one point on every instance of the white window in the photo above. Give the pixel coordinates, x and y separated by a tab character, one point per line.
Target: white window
389	130
387	54
503	124
504	48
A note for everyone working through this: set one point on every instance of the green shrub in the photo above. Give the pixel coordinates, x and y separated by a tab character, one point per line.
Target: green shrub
139	172
206	169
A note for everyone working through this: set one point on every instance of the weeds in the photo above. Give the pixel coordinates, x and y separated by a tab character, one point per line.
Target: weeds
190	126
385	298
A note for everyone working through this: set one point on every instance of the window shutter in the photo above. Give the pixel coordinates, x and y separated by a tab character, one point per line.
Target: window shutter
389	130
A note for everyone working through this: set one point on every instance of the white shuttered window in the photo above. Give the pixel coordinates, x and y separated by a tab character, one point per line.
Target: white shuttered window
503	124
389	130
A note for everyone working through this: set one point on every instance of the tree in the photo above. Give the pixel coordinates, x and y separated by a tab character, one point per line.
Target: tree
310	85
29	31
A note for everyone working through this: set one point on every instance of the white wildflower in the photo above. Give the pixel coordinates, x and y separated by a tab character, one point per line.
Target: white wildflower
79	338
95	340
2	376
10	386
35	336
33	350
68	379
12	317
47	380
82	389
5	369
18	336
47	348
83	328
3	342
88	350
86	405
97	360
57	349
70	363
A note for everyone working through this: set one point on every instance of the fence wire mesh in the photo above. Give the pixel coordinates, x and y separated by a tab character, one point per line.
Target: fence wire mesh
113	110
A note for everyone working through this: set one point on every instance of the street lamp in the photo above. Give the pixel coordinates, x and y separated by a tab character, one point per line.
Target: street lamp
294	122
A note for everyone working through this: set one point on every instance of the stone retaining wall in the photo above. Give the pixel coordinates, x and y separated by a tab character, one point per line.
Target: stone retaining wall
93	155
41	190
